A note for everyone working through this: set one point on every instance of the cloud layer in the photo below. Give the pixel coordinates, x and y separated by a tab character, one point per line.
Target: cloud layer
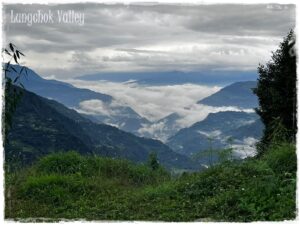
153	102
151	37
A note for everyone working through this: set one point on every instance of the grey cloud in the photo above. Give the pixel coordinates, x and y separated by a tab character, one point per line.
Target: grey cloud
249	20
139	51
143	37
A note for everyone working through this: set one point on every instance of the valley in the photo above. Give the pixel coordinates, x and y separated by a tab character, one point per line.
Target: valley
235	100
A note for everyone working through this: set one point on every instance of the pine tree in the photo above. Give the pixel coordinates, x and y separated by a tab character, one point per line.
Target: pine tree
276	91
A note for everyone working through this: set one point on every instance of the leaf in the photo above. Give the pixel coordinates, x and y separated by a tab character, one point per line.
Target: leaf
22	69
7	52
16	59
13	69
11	46
26	72
18	55
16	79
21	53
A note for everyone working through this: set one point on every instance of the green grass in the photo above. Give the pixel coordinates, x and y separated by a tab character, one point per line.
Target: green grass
67	185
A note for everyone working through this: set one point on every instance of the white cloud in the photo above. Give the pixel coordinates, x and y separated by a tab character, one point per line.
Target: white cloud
197	112
247	148
250	141
95	107
212	134
156	102
156	131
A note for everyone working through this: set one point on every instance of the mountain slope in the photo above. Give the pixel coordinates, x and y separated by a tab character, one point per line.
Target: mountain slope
62	92
237	94
38	129
214	132
42	126
123	117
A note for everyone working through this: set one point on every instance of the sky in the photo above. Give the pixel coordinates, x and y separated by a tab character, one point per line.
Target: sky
152	37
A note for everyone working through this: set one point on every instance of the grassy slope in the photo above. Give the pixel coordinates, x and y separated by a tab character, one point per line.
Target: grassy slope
72	186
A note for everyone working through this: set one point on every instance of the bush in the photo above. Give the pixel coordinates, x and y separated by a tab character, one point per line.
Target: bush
52	189
103	188
282	158
61	163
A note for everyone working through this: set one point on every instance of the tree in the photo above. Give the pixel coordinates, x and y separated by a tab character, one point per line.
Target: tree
152	161
12	94
276	91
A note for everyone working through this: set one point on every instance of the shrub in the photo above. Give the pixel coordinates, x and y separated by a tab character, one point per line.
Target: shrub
100	188
282	158
61	163
52	189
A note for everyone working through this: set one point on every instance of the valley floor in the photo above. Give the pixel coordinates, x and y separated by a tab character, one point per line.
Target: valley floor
70	186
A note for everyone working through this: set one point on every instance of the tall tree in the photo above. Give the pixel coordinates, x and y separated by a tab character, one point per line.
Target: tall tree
276	91
152	161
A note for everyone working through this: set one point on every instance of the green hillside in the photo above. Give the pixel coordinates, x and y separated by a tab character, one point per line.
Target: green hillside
42	126
70	186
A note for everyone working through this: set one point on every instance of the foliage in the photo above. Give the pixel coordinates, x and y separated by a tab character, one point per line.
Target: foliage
276	91
42	126
152	161
67	185
215	155
11	93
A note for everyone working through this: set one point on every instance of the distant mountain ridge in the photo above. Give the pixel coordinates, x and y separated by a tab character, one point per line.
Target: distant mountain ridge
173	77
219	127
238	94
42	126
126	118
59	91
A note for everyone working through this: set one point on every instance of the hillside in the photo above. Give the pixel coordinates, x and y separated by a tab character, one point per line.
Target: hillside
123	117
42	126
218	127
59	91
238	94
70	186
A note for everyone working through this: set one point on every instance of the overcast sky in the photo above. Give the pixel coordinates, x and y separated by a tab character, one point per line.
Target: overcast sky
150	37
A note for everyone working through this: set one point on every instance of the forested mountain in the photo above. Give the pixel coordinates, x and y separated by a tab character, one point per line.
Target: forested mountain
214	132
41	126
123	117
238	94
